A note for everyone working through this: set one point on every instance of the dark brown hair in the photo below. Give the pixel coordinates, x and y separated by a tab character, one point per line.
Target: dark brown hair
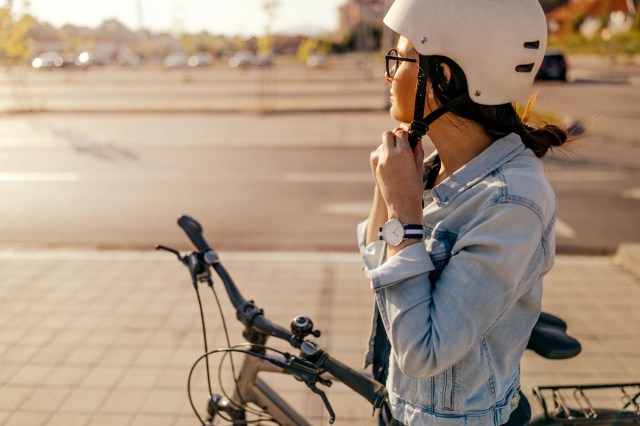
497	120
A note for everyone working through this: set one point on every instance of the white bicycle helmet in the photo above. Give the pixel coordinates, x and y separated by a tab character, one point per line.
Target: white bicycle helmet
499	44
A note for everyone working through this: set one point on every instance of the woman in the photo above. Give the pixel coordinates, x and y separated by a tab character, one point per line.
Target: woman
456	245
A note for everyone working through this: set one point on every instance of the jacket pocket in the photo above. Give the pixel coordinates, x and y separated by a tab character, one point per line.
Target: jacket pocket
449	389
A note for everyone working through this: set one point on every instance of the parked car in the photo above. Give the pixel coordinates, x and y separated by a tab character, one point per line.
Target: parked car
86	59
262	60
554	66
317	60
176	60
200	59
243	58
48	60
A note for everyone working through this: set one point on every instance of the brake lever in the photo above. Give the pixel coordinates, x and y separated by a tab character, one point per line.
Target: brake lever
170	250
314	389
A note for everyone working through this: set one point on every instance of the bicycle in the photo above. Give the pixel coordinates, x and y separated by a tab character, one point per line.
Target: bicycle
315	366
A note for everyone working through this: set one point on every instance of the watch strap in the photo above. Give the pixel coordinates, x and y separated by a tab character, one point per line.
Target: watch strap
411	231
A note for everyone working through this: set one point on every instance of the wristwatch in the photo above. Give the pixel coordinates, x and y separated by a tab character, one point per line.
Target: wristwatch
395	232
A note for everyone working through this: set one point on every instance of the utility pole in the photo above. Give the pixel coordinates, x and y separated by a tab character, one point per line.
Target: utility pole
139	14
271	8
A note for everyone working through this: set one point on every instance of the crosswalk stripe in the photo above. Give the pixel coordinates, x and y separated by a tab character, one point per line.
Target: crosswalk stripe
8	177
564	230
329	177
633	193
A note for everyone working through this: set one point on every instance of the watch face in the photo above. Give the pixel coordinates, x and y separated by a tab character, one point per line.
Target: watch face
393	232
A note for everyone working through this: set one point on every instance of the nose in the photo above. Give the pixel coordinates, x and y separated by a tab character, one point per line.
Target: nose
387	77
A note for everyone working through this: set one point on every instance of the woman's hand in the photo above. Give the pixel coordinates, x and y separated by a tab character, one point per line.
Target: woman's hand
398	174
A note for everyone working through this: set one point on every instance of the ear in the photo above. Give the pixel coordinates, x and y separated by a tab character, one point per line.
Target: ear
447	71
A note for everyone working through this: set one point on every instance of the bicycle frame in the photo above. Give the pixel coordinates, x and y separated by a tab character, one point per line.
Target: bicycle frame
252	389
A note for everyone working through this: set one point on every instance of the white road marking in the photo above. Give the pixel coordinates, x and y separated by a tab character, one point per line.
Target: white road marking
563	230
329	177
350	209
40	177
633	193
362	208
584	176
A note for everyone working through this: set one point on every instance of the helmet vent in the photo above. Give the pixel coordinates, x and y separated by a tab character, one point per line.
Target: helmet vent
532	45
525	68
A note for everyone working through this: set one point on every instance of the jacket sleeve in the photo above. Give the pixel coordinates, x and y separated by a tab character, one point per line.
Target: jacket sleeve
431	329
373	253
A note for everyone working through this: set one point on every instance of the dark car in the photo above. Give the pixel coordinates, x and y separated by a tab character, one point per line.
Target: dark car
554	67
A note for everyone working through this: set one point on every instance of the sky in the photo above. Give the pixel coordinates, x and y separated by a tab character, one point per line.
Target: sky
229	17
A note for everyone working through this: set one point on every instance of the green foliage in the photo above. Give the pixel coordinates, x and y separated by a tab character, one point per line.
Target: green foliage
627	43
265	45
15	45
192	43
313	45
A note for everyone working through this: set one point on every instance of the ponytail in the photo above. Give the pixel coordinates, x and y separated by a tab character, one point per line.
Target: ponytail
542	139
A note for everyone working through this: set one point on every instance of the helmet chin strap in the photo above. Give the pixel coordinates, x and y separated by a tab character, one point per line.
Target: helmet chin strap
420	124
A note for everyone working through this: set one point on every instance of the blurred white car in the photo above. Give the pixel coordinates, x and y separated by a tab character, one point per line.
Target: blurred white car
243	58
200	59
86	59
317	60
176	60
48	60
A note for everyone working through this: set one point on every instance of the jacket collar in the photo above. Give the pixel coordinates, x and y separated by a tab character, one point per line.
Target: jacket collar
497	154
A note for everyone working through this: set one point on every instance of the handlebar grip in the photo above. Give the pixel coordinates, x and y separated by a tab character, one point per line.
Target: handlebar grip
372	391
194	231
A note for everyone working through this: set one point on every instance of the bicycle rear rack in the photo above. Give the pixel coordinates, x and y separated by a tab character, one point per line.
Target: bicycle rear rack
575	402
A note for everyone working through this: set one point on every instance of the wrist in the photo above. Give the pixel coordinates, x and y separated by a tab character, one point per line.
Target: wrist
405	216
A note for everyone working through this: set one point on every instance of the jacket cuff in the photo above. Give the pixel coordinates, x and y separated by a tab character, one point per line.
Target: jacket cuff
409	262
373	253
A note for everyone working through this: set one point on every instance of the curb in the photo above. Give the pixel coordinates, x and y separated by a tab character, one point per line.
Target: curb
628	257
247	110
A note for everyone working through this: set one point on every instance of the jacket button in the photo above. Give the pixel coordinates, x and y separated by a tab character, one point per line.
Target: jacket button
514	401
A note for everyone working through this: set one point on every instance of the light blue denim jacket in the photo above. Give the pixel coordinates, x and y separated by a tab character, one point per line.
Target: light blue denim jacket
459	309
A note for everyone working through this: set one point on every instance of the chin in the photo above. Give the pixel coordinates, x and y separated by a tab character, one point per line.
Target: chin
398	116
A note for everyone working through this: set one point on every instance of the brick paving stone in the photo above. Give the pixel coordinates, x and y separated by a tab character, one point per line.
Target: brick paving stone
124	401
26	419
64	419
161	401
13	396
46	399
150	420
85	400
110	420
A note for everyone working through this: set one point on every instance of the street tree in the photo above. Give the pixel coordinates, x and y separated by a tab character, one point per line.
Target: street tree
15	44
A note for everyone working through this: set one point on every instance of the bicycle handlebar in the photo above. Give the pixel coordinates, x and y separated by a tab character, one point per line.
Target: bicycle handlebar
371	390
194	231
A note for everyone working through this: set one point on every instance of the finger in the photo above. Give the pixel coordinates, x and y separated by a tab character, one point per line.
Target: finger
388	142
403	126
402	140
374	157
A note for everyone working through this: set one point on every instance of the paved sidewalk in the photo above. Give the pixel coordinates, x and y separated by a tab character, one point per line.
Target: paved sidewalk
107	338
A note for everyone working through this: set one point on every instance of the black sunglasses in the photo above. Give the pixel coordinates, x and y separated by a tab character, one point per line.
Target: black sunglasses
393	62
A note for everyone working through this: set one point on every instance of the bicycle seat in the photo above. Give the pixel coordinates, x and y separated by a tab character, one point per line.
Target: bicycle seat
550	340
551	319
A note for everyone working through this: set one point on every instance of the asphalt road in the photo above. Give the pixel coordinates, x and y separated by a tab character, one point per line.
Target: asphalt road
279	181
